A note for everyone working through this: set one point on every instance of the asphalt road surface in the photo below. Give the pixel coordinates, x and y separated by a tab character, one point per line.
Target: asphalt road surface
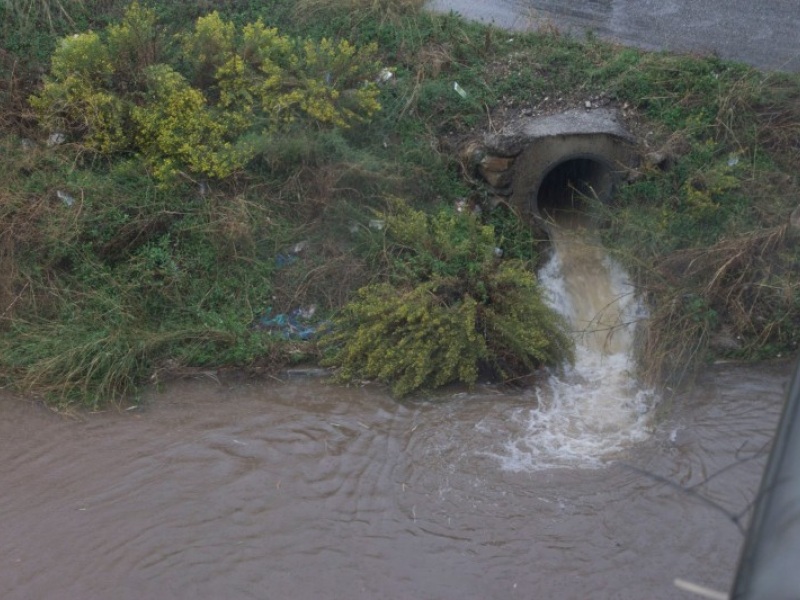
762	33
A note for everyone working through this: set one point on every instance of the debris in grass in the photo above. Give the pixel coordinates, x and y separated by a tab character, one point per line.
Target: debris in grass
385	76
55	139
289	256
295	325
65	198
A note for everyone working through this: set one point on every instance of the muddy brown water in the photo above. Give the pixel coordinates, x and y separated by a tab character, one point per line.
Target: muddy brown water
307	490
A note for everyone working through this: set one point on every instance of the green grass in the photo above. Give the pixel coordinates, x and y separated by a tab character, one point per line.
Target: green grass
100	292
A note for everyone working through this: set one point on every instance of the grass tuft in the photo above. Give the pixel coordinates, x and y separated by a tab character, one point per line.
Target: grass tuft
381	11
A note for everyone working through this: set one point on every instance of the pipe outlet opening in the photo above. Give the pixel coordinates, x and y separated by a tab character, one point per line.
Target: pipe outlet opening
572	183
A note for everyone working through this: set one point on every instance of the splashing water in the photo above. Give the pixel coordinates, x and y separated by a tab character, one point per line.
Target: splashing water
596	408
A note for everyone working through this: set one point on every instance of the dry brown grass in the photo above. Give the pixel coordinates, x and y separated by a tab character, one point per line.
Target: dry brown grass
16	84
747	285
324	276
389	10
27	221
763	111
8	277
780	129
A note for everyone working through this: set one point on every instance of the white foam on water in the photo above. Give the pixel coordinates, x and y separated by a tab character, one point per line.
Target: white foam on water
594	409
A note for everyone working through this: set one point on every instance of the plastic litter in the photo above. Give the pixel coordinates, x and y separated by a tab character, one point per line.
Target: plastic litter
385	75
284	260
463	206
287	257
65	198
295	325
459	90
55	139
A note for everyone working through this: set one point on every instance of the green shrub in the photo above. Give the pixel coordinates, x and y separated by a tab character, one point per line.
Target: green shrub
78	98
454	310
409	339
240	85
179	131
133	44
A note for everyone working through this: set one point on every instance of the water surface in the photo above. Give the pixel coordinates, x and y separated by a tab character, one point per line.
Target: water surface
304	490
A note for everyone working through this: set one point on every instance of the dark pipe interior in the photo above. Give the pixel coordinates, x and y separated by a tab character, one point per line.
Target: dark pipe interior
569	184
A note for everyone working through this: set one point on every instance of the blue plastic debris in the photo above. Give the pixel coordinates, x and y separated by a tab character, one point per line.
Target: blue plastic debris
292	326
284	260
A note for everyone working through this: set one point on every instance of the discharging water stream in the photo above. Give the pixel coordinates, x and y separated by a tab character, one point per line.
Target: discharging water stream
594	409
302	490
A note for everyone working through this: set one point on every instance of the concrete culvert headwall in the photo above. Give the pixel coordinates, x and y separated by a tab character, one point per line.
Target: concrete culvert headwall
556	162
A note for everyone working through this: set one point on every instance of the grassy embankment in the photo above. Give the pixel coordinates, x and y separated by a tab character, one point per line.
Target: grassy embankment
109	273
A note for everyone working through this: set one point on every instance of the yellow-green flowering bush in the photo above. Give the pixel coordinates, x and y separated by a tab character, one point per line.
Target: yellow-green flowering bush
110	91
409	339
179	128
133	45
83	56
702	192
454	310
78	100
332	75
